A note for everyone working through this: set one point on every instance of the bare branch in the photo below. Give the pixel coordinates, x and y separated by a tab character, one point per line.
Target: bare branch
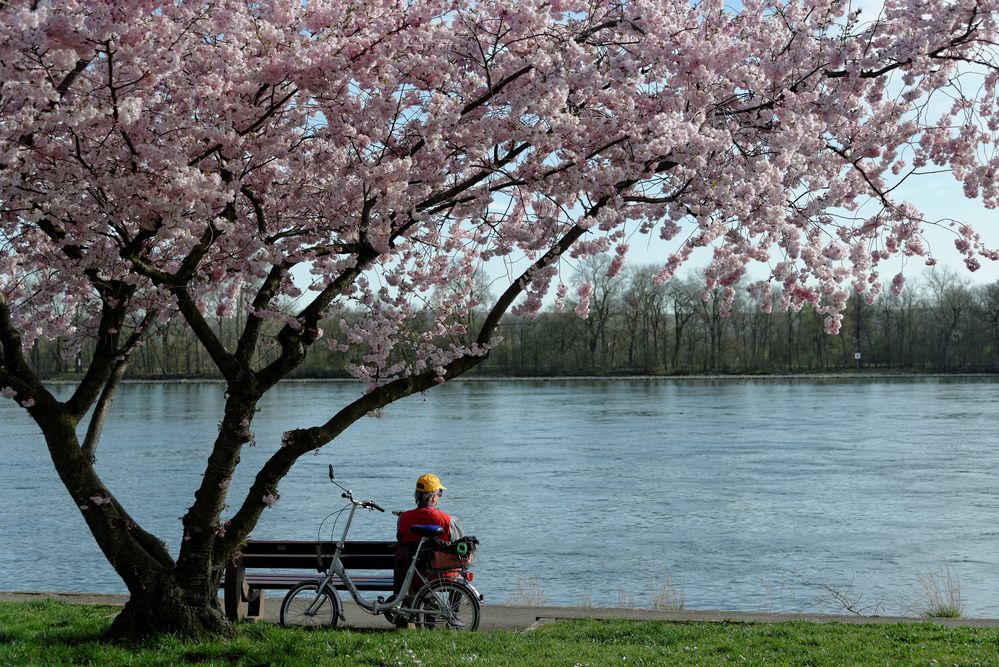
224	361
251	331
103	406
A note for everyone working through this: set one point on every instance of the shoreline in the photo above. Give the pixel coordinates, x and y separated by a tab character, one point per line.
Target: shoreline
513	617
696	377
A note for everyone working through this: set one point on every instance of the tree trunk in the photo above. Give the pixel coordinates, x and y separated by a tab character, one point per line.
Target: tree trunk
164	598
165	607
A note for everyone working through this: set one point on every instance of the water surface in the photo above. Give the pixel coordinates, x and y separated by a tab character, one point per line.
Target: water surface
745	494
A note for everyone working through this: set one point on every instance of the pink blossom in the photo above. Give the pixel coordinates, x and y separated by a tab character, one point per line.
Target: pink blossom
560	293
129	110
618	261
896	284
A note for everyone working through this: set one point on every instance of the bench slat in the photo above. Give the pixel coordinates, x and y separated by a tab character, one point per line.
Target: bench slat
312	562
285	581
243	579
308	547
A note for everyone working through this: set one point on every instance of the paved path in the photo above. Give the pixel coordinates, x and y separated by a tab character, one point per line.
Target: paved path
512	617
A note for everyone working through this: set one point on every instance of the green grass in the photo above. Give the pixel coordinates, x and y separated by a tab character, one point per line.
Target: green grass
55	633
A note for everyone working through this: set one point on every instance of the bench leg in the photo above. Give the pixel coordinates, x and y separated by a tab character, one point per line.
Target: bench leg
241	602
254	604
233	589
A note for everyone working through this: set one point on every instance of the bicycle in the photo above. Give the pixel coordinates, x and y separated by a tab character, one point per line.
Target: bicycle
446	599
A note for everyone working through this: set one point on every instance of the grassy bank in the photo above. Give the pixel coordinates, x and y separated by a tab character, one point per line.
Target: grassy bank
52	633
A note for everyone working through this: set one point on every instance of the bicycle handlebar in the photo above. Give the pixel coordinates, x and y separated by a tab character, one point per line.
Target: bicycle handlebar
367	504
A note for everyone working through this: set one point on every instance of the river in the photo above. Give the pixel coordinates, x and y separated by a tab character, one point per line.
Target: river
736	494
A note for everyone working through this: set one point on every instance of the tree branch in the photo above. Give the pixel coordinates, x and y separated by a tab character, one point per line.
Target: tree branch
224	361
268	112
13	361
106	345
295	342
101	410
103	514
103	406
493	91
251	331
472	180
258	210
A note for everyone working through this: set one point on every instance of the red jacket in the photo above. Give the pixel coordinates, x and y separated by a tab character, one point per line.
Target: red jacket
424	516
421	516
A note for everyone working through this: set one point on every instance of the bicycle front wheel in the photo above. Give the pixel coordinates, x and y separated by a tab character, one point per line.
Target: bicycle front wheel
447	605
308	606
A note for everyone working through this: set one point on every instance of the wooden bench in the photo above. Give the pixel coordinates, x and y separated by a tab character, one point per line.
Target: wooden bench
278	565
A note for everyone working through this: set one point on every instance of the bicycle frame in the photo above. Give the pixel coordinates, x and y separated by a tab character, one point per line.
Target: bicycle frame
336	569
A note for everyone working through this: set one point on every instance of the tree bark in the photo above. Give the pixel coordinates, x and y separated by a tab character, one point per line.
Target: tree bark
167	607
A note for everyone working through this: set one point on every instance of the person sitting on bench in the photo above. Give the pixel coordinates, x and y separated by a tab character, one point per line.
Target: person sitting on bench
426	513
428	494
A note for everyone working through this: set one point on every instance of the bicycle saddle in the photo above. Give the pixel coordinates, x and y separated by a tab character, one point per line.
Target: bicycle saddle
432	530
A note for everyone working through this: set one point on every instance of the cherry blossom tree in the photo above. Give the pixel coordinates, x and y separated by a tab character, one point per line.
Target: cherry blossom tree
165	161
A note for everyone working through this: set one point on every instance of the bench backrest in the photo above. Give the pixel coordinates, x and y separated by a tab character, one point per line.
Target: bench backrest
314	555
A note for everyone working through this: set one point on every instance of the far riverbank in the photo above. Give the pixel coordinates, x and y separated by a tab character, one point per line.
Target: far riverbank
472	377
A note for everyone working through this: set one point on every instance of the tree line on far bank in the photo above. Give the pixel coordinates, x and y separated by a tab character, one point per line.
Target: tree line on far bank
941	322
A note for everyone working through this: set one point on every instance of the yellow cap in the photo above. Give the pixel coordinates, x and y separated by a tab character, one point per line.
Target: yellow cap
429	483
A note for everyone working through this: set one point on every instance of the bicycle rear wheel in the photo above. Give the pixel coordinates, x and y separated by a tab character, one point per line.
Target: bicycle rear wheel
306	606
447	605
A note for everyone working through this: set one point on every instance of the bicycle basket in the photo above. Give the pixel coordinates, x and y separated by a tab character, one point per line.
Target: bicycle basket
456	555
